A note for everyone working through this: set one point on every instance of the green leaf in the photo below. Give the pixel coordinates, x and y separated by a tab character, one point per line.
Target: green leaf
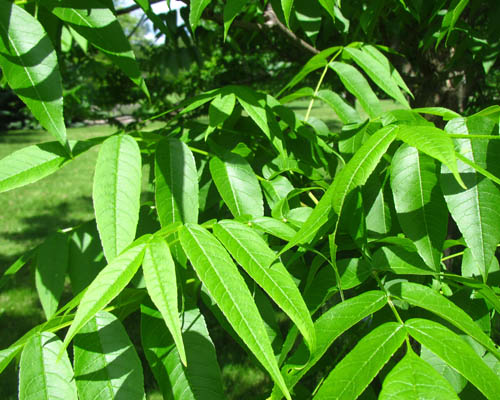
100	27
456	353
231	10
316	62
344	111
273	227
106	286
221	108
42	375
176	189
382	59
355	173
353	374
420	205
475	210
355	83
287	5
380	75
116	193
29	63
400	261
51	266
429	299
254	255
201	379
237	184
440	111
106	363
33	163
195	12
433	142
224	283
159	273
413	379
329	327
362	164
155	19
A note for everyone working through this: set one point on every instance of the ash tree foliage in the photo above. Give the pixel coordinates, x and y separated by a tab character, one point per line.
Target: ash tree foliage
354	261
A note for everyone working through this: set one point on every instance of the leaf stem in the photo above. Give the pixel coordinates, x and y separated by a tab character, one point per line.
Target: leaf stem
308	113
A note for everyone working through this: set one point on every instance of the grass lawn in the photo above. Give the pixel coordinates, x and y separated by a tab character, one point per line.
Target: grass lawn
31	213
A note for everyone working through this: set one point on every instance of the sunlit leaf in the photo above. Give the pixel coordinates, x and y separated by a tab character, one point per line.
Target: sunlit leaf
195	11
414	379
224	283
258	260
456	353
237	185
116	193
356	370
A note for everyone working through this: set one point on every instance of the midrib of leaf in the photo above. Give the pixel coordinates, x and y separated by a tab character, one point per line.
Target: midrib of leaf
44	376
171	183
231	297
30	78
115	192
373	354
421	189
264	269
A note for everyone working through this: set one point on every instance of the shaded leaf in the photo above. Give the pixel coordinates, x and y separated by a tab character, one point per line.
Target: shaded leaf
237	184
176	189
221	108
116	193
51	265
329	327
99	26
106	286
29	63
456	353
106	363
353	374
195	12
475	210
420	205
231	10
42	375
224	283
201	379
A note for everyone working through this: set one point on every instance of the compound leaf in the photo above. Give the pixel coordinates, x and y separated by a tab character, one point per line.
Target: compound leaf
227	287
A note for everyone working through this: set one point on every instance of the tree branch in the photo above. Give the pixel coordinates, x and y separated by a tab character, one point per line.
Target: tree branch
134	7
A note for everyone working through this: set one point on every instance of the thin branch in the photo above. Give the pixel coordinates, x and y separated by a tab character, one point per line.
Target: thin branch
134	7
